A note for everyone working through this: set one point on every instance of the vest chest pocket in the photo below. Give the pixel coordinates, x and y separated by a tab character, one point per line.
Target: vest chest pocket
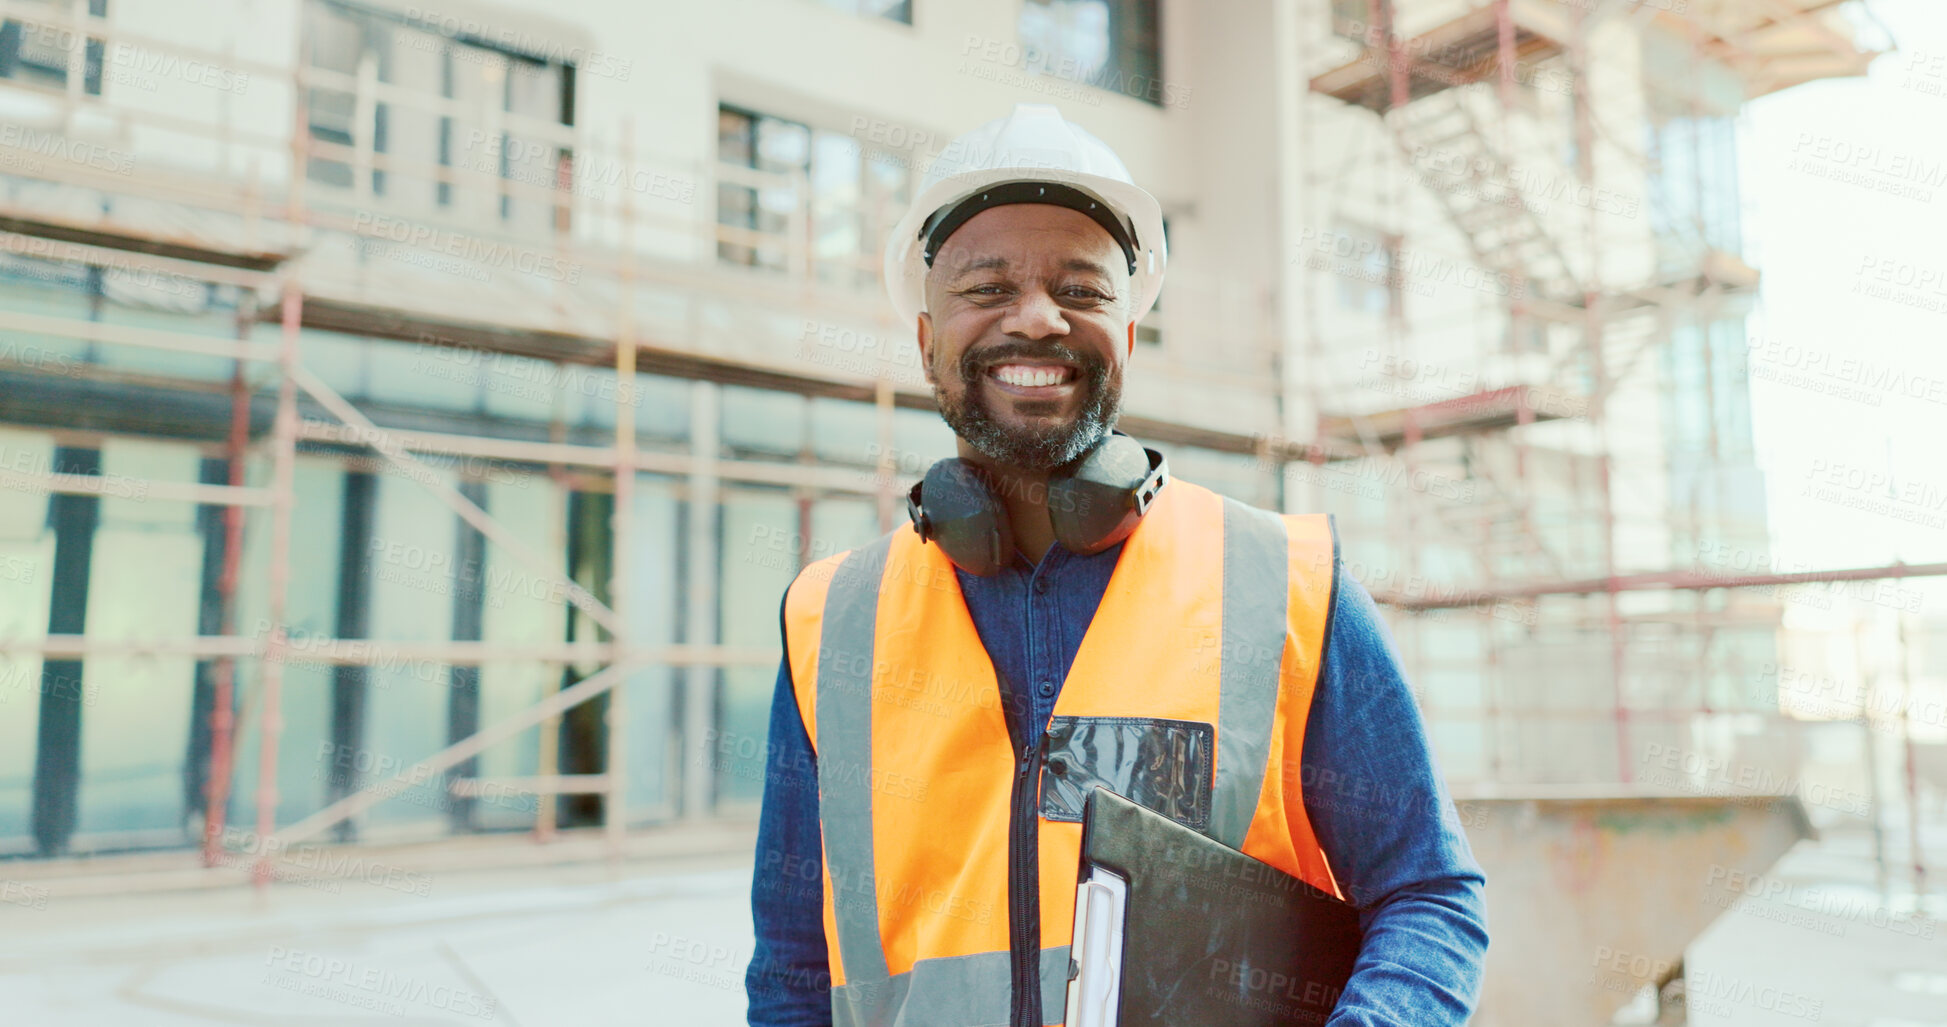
1165	765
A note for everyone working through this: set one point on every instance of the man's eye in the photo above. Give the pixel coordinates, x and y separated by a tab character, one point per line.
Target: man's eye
1082	293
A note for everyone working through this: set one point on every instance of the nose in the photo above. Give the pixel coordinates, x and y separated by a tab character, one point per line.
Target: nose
1035	315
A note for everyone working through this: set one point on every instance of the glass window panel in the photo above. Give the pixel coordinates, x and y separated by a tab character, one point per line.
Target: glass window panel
838	525
533	91
311	612
219	327
339	360
518	608
478	84
921	437
332	113
145	579
26	581
414	375
754	579
411	138
655	591
892	10
38	52
514	386
592	390
413	557
844	431
762	420
662	407
42	287
736	204
836	219
782	146
334	38
1110	44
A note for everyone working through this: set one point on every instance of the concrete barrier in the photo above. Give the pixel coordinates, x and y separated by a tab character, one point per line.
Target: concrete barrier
1593	893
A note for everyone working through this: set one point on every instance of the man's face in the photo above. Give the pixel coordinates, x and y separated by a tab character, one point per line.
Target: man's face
1026	333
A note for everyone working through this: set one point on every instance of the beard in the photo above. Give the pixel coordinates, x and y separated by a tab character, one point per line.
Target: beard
1030	447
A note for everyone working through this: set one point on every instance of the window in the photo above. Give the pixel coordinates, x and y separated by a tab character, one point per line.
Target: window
1108	44
41	51
900	11
1367	262
793	195
1351	19
505	117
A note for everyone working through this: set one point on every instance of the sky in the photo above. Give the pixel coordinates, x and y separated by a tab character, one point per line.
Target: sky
1845	215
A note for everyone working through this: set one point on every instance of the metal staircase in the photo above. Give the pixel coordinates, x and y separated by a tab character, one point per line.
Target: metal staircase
1442	143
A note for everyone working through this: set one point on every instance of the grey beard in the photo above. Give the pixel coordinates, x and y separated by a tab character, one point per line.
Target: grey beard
1025	448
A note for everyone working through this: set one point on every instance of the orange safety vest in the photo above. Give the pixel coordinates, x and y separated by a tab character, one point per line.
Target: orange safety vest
1191	688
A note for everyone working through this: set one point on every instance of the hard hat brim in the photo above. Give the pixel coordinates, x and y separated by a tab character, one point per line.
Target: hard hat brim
905	263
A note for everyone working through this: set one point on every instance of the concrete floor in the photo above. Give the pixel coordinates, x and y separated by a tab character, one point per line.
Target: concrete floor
530	948
594	945
1820	944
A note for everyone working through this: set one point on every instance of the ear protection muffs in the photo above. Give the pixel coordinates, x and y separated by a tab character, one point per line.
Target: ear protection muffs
1093	504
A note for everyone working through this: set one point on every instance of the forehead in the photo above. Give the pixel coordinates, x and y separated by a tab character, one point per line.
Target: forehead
1027	233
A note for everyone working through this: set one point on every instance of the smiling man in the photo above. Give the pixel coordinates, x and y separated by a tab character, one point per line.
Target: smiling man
1062	615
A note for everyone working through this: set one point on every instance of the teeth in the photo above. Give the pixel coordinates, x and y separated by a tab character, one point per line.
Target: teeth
1018	374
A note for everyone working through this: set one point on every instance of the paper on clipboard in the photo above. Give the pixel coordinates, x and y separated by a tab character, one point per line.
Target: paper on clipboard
1100	905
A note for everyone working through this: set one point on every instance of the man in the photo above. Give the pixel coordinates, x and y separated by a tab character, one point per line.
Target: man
916	863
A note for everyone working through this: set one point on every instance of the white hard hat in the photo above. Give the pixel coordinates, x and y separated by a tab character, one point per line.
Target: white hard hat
1034	146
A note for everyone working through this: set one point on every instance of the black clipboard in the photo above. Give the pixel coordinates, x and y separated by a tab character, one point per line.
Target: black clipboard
1172	927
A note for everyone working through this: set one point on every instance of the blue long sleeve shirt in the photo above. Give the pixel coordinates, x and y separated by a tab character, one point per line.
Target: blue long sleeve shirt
1376	803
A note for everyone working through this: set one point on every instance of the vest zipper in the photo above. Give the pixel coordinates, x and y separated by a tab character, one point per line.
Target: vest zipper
1024	890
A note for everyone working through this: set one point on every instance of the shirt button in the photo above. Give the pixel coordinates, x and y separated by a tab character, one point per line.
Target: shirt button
1041	586
1047	688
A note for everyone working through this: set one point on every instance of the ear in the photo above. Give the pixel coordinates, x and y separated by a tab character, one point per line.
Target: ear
923	333
1132	339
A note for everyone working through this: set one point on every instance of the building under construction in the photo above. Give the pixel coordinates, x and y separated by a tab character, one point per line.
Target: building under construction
412	417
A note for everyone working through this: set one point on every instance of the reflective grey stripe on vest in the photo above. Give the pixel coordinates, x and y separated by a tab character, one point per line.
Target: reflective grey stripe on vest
845	756
1257	582
957	991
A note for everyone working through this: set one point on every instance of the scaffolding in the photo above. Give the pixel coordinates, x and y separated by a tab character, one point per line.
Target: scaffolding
269	239
1459	132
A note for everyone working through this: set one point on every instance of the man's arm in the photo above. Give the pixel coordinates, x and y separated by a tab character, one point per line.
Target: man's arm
789	980
1388	827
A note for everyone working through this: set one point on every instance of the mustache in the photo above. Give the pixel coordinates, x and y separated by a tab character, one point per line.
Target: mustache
975	361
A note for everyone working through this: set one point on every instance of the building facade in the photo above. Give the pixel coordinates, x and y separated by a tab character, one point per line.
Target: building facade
374	372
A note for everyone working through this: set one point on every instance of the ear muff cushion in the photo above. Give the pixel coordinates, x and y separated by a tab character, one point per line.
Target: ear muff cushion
966	519
1094	507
